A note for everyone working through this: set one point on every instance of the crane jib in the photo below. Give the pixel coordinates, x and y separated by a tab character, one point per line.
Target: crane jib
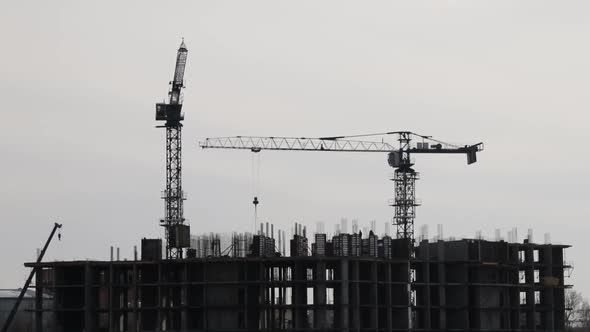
404	177
333	144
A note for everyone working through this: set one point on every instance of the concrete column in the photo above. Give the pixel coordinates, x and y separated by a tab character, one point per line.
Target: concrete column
56	301
159	317
245	266
427	294
272	294
111	296
134	316
408	301
374	296
388	302
205	298
133	323
281	295
38	301
319	295
356	309
184	298
254	312
299	296
263	295
530	276
88	304
547	293
344	298
442	287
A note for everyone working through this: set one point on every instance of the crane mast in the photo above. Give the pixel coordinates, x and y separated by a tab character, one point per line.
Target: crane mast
399	157
404	179
177	234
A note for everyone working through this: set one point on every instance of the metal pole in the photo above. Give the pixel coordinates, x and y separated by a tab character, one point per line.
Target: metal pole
24	290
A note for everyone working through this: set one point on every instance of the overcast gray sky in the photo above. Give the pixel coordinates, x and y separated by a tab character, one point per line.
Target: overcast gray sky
79	81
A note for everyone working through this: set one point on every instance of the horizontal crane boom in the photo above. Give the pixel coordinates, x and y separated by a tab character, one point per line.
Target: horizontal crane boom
256	144
408	143
292	143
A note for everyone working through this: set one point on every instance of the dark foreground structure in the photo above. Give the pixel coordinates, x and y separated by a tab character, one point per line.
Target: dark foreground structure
350	283
24	320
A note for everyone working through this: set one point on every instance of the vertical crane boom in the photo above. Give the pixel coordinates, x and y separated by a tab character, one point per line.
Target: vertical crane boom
177	234
178	81
404	178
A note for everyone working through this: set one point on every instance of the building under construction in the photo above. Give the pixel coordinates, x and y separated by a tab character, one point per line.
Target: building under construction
355	281
349	282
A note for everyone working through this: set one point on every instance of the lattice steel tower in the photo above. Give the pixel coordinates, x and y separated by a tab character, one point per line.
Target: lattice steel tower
177	234
404	179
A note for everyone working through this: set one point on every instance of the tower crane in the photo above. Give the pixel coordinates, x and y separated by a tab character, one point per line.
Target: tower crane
399	157
177	234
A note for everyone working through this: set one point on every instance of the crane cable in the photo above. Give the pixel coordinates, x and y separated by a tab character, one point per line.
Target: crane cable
255	185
